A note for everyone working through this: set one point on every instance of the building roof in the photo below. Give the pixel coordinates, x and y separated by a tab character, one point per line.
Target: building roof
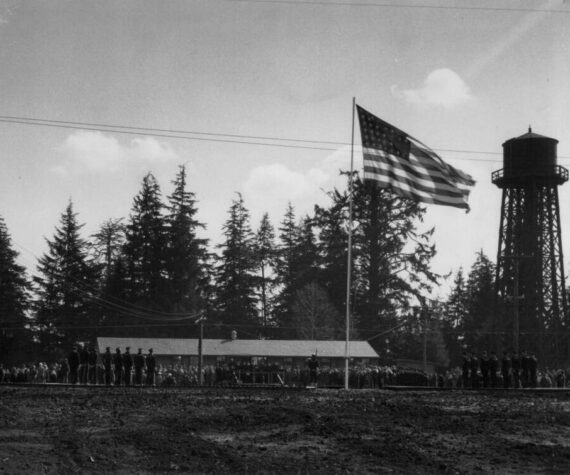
239	348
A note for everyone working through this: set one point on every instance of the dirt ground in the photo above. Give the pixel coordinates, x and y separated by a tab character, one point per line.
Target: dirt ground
131	430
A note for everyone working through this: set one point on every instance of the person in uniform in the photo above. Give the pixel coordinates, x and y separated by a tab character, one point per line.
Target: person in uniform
516	370
493	367
107	364
118	367
525	366
313	365
92	366
139	366
484	364
127	365
474	371
150	368
506	370
83	364
465	365
73	361
532	370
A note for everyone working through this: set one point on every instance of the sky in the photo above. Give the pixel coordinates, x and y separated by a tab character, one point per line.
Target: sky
461	76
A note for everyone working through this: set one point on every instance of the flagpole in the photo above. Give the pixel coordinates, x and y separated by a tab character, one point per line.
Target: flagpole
349	258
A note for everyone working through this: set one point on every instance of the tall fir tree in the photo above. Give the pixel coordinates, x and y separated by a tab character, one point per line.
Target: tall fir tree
285	269
480	299
333	248
265	253
106	247
66	286
187	258
145	248
454	315
307	261
314	316
14	299
391	259
235	272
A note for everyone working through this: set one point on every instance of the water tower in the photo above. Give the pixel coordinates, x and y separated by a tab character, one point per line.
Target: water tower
531	296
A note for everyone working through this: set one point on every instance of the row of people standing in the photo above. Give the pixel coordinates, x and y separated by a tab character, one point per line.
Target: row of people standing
117	368
519	371
516	370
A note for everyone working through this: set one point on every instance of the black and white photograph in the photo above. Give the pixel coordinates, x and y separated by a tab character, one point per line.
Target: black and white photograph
284	236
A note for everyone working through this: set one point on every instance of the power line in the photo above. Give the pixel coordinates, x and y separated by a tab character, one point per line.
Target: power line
175	134
217	136
118	305
134	132
170	131
402	5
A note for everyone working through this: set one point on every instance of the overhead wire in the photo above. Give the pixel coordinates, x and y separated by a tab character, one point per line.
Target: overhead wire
121	306
268	141
403	5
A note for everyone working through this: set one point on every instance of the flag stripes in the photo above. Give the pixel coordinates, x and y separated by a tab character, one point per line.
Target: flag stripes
395	160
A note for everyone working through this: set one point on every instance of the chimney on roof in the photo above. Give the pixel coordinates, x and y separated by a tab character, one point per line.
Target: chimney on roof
234	335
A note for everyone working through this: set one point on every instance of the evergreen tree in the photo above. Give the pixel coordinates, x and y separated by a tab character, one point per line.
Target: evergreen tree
107	248
66	285
265	254
477	325
307	259
235	273
314	317
187	255
285	268
454	316
14	298
107	245
145	248
391	259
333	248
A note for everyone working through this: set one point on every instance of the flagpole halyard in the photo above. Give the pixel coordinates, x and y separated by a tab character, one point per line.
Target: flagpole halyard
349	258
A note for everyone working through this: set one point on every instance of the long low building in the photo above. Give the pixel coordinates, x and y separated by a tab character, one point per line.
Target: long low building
283	352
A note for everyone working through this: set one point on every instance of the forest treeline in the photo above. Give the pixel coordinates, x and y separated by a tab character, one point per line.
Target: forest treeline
152	273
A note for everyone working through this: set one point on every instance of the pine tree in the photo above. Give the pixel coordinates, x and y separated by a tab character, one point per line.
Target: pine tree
285	268
107	245
307	259
454	316
145	248
314	317
14	298
480	297
235	273
66	286
333	248
265	254
392	259
187	255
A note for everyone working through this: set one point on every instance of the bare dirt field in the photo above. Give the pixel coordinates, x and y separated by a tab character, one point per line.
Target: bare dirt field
130	430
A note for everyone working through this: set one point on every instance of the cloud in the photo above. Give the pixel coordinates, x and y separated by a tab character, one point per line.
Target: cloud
442	87
269	188
95	152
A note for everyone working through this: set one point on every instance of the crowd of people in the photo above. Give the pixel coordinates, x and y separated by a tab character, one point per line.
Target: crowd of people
513	370
84	366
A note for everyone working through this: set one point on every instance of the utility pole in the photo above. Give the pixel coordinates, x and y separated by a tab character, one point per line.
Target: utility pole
425	341
200	349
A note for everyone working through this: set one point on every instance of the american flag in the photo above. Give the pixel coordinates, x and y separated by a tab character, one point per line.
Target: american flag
396	160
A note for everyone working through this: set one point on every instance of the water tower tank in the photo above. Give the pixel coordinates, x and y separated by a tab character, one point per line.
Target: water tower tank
529	158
